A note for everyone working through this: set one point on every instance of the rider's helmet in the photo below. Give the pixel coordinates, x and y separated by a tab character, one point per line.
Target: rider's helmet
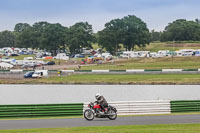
97	96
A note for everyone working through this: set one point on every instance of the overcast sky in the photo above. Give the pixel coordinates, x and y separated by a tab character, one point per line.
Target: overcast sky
156	13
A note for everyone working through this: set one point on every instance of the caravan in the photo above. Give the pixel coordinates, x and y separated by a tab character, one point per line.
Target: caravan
61	56
130	54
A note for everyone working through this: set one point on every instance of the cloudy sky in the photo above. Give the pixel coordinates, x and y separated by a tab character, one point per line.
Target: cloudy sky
156	13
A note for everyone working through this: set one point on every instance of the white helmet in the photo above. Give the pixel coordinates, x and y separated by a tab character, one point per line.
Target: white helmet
97	96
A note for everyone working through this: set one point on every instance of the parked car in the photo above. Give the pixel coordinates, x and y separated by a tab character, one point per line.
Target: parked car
79	56
28	74
14	55
51	63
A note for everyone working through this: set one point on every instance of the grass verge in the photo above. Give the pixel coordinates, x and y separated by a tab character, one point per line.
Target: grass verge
124	79
168	128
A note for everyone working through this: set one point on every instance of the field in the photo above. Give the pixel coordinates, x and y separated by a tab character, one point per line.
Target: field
171	128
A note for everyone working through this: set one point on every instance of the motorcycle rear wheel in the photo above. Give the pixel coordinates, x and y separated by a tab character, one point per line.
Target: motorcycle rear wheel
112	117
88	115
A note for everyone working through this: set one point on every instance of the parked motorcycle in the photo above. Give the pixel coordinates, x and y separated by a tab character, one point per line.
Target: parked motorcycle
96	111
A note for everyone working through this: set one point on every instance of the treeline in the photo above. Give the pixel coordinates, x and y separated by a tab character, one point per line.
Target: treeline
49	37
129	31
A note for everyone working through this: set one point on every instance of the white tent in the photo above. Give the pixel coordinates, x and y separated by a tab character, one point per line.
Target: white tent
5	65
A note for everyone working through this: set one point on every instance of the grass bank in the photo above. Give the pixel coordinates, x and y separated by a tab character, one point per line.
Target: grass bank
169	128
149	63
155	47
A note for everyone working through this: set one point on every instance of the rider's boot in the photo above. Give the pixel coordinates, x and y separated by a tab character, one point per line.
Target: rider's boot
106	111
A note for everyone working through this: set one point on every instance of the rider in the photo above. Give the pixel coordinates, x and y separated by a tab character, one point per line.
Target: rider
102	101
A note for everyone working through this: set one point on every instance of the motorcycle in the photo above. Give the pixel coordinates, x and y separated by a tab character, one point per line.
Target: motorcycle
95	110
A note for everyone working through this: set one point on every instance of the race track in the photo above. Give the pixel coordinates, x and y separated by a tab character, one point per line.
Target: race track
81	122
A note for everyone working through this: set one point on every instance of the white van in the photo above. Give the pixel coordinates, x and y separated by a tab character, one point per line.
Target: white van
40	74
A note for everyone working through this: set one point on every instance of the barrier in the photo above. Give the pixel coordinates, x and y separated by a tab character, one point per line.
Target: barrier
140	107
16	71
153	70
84	71
135	70
111	71
117	71
100	71
41	110
77	109
172	70
67	71
190	70
185	106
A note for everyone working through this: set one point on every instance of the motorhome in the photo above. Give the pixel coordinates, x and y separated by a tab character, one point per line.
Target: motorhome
106	56
130	54
156	55
186	52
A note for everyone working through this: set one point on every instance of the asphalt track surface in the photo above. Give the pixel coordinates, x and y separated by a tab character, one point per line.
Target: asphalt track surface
81	122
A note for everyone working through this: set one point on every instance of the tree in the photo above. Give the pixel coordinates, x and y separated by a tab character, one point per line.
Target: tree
79	36
137	33
129	31
181	30
25	38
23	33
107	39
38	30
7	39
155	36
20	27
111	36
53	37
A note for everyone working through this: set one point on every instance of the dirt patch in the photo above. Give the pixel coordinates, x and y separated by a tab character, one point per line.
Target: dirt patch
182	45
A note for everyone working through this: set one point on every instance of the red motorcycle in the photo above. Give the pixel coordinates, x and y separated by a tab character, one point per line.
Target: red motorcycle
96	111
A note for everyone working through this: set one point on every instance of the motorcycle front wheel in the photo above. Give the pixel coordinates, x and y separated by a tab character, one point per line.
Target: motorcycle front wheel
113	115
88	115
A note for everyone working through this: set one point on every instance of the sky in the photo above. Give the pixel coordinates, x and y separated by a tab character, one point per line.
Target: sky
155	13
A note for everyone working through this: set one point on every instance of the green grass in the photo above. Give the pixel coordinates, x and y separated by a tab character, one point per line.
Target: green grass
123	78
149	63
168	128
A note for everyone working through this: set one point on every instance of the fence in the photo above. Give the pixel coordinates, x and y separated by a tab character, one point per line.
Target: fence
41	110
185	106
77	109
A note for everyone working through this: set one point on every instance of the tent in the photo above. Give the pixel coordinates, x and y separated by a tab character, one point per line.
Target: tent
5	65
